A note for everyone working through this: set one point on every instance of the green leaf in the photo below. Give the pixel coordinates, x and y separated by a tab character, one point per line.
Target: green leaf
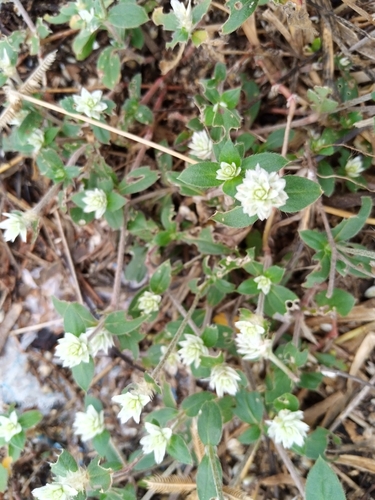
3	478
234	218
210	335
138	180
316	443
277	299
118	324
83	374
341	301
127	15
202	175
326	178
205	485
310	380
199	11
161	278
350	227
109	67
102	135
249	407
192	404
239	12
271	162
210	424
115	219
314	239
205	243
30	418
100	478
16	445
286	402
76	317
251	435
302	192
101	443
64	464
322	483
177	449
229	154
115	201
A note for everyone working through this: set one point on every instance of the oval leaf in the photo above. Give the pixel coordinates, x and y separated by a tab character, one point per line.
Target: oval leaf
210	424
302	192
202	175
234	218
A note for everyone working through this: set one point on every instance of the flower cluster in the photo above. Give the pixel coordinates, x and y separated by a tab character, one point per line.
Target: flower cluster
73	350
9	426
263	284
183	15
90	103
95	200
287	428
227	171
132	403
354	167
201	145
88	424
36	140
149	302
224	379
260	192
250	341
192	350
64	487
157	441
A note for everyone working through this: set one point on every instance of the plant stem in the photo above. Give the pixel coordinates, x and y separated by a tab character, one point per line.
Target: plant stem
50	194
276	361
25	15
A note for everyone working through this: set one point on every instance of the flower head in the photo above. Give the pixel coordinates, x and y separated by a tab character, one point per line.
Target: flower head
90	103
9	426
260	192
95	201
250	341
156	441
227	171
192	350
287	428
55	491
132	403
73	350
88	424
172	362
201	145
183	15
101	341
149	302
354	167
16	225
224	379
36	139
78	480
263	284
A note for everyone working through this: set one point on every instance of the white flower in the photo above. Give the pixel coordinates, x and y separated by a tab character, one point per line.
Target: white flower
224	379
55	491
88	424
192	350
132	403
73	350
263	284
101	341
201	145
90	103
260	192
354	167
95	201
149	302
227	171
250	341
172	362
344	62
287	428
36	139
6	65
183	14
16	225
156	441
92	22
9	426
77	480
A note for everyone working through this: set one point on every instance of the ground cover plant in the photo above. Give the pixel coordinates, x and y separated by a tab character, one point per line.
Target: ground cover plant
187	255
